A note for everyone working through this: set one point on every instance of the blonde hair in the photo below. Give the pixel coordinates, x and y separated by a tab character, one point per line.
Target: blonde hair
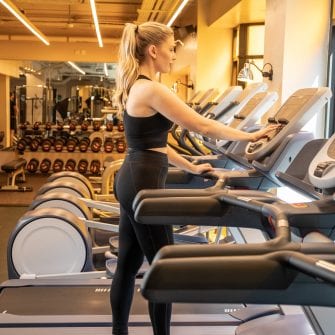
134	42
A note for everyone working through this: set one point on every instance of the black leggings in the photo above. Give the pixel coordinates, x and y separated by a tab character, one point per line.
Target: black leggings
140	170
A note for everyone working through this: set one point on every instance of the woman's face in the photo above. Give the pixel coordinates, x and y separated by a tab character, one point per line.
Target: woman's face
165	55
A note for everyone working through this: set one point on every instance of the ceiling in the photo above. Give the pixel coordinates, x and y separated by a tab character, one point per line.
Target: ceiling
71	21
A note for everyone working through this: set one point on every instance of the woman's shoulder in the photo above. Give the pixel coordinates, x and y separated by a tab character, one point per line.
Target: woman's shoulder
142	87
148	87
147	93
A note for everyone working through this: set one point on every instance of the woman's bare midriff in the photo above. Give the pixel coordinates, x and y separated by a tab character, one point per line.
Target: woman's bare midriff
162	150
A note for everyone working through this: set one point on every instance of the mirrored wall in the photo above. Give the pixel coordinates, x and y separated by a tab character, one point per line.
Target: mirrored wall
59	91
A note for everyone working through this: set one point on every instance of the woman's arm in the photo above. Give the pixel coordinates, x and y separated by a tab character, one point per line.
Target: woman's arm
172	107
182	163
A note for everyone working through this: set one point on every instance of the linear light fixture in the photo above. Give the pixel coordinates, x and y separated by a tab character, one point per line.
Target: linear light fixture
106	69
24	20
76	67
177	12
96	22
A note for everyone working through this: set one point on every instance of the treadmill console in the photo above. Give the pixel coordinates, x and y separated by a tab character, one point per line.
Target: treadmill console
253	110
254	146
321	170
299	108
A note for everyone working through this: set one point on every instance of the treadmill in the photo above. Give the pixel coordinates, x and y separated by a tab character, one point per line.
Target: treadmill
231	101
312	172
254	165
278	270
313	220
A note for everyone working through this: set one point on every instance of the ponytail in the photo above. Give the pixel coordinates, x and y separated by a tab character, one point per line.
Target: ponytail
128	67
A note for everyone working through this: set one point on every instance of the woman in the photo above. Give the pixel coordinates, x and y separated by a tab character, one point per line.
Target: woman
149	110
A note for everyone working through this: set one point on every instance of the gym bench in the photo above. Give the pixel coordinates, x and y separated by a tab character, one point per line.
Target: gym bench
13	169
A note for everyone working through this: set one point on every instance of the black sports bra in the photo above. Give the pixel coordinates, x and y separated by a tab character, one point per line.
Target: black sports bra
146	132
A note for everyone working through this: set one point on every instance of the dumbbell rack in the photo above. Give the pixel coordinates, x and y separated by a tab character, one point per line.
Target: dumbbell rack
77	155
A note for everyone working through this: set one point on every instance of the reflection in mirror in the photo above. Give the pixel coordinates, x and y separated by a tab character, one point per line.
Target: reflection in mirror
60	92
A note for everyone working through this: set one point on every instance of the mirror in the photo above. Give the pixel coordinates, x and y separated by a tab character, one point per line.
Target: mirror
60	91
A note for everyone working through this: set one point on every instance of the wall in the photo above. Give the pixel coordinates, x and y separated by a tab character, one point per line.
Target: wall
296	44
185	66
10	68
214	54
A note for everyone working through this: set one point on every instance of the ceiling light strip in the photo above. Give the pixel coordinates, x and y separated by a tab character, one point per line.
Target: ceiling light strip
24	20
76	67
177	12
96	22
106	69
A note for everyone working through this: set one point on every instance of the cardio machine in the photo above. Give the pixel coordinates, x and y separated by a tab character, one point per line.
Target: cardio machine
276	271
317	177
279	270
254	165
223	112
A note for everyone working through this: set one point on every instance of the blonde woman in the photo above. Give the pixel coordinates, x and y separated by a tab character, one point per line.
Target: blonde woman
149	109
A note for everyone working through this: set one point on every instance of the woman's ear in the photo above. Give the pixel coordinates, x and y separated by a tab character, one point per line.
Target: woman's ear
152	51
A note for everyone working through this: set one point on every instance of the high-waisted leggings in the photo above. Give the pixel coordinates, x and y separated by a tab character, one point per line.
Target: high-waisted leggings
141	170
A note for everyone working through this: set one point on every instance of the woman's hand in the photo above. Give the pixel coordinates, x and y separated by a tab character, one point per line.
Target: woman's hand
267	132
202	168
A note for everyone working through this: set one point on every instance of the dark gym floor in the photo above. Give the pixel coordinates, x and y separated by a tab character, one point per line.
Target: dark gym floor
11	198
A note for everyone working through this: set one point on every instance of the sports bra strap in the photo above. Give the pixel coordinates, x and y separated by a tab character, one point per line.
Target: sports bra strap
142	76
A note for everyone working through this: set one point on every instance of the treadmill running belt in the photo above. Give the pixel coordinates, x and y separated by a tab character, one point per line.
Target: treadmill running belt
86	300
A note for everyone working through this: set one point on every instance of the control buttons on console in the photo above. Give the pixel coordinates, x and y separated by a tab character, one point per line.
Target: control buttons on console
239	117
272	120
254	146
283	121
322	168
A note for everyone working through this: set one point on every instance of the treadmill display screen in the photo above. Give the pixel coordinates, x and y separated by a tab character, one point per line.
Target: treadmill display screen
292	106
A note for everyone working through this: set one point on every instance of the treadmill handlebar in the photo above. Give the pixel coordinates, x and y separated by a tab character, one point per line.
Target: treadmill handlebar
205	207
266	209
311	265
278	217
224	177
231	278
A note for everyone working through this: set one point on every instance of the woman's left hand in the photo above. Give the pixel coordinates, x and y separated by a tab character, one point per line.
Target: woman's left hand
202	168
